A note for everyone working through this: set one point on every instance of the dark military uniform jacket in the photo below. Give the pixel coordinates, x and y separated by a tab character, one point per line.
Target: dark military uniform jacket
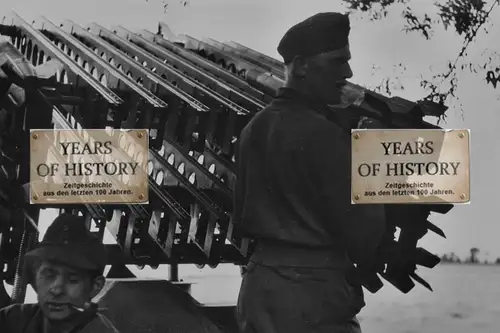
293	196
294	180
28	318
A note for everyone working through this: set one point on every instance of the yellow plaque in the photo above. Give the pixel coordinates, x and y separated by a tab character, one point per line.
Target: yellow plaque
410	166
93	166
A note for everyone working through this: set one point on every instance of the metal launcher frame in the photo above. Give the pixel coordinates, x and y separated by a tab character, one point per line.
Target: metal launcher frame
194	96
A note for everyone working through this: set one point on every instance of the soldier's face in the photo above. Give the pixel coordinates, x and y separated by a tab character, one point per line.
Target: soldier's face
326	73
58	286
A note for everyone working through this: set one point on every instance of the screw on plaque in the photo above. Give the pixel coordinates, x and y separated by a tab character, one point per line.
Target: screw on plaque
463	196
35	197
356	136
34	136
356	197
141	196
461	135
140	135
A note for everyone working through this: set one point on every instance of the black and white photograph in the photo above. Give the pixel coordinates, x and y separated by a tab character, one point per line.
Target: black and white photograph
249	166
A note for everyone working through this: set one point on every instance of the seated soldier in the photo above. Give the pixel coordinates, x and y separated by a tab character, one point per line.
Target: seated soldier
66	271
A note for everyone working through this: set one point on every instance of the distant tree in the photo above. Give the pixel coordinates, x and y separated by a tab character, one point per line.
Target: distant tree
497	261
450	257
466	17
473	255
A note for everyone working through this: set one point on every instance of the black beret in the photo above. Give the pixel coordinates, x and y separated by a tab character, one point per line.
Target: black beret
323	32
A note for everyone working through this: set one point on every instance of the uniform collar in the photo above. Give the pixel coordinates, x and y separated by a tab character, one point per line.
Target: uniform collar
286	93
292	95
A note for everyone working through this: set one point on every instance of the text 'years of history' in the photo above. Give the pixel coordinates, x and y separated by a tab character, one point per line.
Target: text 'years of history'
89	166
410	166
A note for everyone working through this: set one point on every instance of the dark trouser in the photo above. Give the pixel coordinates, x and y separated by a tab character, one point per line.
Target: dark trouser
280	299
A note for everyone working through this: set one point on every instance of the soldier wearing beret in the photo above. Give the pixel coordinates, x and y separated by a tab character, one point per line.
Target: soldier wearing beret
66	271
293	194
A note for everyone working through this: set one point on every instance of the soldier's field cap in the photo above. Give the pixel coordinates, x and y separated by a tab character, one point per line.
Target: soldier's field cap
320	33
68	242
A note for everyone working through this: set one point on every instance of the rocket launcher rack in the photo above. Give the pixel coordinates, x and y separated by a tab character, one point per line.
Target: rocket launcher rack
195	97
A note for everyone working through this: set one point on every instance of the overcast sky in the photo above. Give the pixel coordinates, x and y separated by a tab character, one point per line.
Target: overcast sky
261	23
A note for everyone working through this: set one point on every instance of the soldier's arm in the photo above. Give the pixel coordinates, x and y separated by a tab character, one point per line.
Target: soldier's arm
359	227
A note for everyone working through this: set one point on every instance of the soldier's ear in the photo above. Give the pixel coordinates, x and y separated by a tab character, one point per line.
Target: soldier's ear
97	285
299	67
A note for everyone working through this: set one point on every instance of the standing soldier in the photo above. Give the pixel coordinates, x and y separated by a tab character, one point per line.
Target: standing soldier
293	195
66	271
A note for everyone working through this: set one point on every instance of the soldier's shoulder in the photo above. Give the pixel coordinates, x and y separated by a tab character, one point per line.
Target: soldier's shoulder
268	109
303	118
11	308
14	316
258	119
18	310
286	109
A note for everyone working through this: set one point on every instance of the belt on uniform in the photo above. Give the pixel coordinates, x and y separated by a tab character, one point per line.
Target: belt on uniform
279	254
